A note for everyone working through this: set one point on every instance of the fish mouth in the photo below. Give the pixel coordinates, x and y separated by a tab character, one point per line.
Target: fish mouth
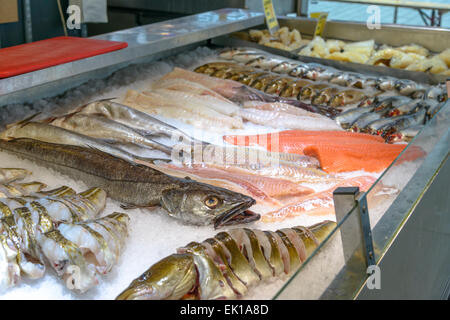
237	215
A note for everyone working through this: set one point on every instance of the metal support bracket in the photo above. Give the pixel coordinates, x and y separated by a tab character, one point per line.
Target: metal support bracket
356	230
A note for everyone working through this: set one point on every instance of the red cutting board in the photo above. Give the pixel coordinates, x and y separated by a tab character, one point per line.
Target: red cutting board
51	52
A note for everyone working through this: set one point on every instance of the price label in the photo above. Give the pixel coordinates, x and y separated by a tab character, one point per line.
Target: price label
271	18
321	21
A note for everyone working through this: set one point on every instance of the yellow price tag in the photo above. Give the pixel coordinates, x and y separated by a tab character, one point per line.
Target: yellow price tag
271	18
321	21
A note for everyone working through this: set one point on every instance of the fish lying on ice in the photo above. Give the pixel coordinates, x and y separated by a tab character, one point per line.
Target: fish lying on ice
60	227
137	184
132	118
224	267
106	129
317	204
279	119
200	116
237	92
20	189
52	134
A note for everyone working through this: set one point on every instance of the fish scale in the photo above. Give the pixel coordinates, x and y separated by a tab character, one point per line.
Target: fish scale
174	278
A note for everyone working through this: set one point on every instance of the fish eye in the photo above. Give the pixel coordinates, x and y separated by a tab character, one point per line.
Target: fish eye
212	202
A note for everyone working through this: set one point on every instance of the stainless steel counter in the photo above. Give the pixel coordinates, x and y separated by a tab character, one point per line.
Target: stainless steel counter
143	42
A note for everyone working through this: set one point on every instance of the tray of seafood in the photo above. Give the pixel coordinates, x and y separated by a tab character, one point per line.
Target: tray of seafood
217	169
411	61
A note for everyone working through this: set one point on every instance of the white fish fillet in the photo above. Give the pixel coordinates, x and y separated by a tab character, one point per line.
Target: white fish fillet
192	100
199	116
277	119
187	86
282	107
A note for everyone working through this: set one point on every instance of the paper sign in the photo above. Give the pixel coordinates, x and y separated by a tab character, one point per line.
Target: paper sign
321	21
271	18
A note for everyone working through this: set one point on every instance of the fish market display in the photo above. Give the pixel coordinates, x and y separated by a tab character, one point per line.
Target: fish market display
138	185
411	57
60	227
226	266
277	137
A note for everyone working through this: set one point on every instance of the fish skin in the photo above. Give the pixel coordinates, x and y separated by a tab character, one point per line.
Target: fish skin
104	128
192	274
131	117
51	134
135	184
347	118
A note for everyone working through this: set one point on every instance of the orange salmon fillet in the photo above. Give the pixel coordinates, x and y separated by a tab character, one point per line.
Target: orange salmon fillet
354	157
317	204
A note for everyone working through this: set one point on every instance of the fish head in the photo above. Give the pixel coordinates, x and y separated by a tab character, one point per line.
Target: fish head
203	204
171	278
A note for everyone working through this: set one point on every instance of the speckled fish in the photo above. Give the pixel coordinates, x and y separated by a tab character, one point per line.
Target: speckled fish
293	89
409	107
239	93
299	71
433	108
408	87
405	135
348	96
311	91
403	122
224	267
12	174
347	118
436	93
385	83
318	72
324	96
139	185
278	85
